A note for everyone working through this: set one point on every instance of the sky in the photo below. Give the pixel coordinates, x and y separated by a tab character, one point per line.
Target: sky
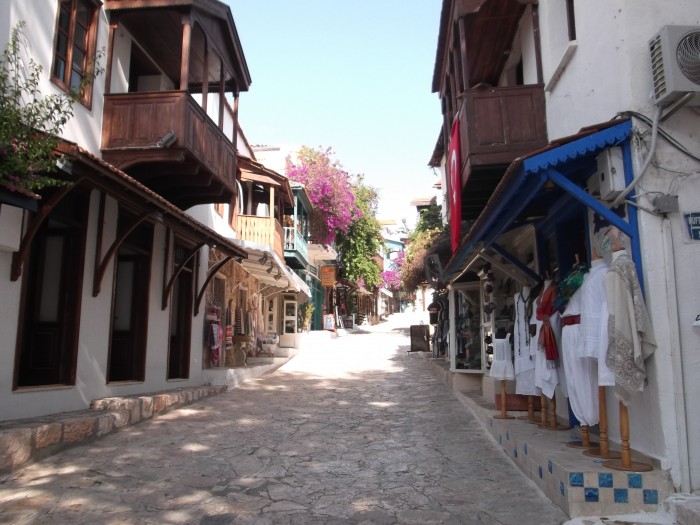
352	75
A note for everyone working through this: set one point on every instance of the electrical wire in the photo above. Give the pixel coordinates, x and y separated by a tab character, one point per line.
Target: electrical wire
664	134
654	134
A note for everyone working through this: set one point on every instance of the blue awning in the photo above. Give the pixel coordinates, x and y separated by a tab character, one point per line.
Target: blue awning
536	183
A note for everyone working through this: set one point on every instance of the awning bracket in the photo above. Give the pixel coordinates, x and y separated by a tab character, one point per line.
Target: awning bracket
171	282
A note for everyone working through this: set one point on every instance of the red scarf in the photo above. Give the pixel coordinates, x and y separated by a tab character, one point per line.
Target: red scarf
546	342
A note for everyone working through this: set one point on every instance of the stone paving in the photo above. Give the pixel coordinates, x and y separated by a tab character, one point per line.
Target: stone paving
356	430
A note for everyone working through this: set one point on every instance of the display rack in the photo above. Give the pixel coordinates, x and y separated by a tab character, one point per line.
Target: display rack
467	351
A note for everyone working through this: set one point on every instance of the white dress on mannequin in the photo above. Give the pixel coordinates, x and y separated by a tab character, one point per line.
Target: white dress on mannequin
594	321
524	359
547	377
502	365
581	374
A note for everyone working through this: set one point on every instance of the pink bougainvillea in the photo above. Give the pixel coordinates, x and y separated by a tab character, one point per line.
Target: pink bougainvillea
330	190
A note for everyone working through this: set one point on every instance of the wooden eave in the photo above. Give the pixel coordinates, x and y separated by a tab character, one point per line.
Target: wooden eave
137	198
490	27
157	26
246	164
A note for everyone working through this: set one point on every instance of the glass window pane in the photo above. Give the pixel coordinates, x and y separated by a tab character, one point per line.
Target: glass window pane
59	68
64	17
80	36
61	45
78	59
75	80
83	13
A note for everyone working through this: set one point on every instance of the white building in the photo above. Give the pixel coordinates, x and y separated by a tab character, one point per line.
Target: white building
546	100
104	281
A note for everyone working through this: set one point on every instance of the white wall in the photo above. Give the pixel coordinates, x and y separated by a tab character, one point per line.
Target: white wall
610	72
94	335
85	128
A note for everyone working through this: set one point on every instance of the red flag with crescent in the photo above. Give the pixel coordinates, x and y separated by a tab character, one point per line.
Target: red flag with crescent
454	166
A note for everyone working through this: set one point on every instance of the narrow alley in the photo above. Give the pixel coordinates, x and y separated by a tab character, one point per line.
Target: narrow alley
354	429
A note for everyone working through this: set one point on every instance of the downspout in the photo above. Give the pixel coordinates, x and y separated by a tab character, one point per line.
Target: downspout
676	355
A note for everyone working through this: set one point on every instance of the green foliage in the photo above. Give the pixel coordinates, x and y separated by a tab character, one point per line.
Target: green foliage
360	244
306	312
430	218
29	122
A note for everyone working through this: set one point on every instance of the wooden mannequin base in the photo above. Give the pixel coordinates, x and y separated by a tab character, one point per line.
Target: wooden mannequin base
594	452
634	466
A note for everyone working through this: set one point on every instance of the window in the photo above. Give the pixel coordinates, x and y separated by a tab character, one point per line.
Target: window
127	352
570	19
47	346
74	47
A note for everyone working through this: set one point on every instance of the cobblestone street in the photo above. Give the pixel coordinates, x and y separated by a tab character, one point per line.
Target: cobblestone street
353	430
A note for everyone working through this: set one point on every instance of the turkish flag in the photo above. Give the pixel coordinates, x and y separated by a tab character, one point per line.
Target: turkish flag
454	167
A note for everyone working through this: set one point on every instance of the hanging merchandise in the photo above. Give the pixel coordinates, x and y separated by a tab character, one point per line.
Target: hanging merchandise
631	340
524	359
214	335
502	365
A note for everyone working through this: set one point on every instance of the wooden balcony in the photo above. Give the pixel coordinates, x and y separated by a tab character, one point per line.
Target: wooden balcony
497	125
262	230
198	167
296	250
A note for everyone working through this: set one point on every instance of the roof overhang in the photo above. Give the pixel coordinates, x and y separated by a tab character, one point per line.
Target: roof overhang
268	268
544	186
91	171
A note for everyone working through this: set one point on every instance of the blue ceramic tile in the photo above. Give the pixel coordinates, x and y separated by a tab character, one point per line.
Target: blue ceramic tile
651	497
575	479
515	452
549	465
590	494
620	496
634	481
539	471
561	488
605	480
525	448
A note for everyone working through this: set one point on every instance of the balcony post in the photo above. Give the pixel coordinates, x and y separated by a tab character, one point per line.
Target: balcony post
205	79
185	61
463	52
272	214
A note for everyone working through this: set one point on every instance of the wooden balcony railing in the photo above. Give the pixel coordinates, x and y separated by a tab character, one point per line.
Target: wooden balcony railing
201	160
294	242
499	124
262	230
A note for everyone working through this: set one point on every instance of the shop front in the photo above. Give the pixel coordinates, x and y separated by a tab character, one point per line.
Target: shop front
527	286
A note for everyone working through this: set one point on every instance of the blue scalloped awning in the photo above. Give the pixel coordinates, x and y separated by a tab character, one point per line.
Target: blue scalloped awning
567	163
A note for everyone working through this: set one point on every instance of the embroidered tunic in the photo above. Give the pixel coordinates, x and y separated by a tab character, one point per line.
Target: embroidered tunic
630	335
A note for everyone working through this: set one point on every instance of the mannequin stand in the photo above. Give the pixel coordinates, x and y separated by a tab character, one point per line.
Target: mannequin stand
503	414
585	441
625	462
542	423
553	423
603	449
530	417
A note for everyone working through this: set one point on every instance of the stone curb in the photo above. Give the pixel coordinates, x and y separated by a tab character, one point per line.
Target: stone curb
25	441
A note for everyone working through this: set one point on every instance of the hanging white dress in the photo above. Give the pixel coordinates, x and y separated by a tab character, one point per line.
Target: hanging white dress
524	359
502	365
594	321
547	377
581	372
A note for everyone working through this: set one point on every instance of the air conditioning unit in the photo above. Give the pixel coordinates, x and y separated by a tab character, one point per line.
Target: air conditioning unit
675	64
